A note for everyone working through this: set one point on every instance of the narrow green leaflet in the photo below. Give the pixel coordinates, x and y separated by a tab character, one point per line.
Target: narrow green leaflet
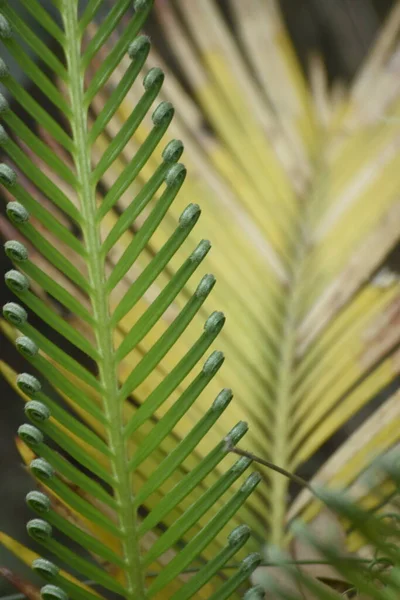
86	429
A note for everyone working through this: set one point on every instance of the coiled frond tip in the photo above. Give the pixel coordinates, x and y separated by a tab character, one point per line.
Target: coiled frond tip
16	251
29	384
15	314
16	281
38	501
53	592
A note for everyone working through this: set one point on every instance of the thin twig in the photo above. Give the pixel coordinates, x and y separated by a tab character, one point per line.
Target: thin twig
270	465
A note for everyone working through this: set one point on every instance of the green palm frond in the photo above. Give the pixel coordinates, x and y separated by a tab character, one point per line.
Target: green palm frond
298	187
305	180
335	157
113	466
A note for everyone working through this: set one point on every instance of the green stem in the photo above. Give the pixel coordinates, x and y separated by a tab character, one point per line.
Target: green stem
282	432
272	466
100	303
281	446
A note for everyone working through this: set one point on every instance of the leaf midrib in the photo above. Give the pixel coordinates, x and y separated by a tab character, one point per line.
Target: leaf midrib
281	454
281	448
100	303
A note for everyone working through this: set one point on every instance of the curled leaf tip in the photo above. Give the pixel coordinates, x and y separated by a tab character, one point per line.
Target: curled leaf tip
6	31
53	592
222	400
141	4
215	322
175	175
250	563
37	411
200	252
45	568
239	535
4	106
16	251
30	434
205	286
235	434
4	72
154	77
26	346
41	468
163	114
242	464
39	529
173	151
15	314
38	501
16	281
251	482
189	215
213	363
3	133
140	45
8	177
29	384
16	212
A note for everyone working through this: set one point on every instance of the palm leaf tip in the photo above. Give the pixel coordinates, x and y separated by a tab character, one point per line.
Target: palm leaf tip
8	177
103	458
52	592
15	314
